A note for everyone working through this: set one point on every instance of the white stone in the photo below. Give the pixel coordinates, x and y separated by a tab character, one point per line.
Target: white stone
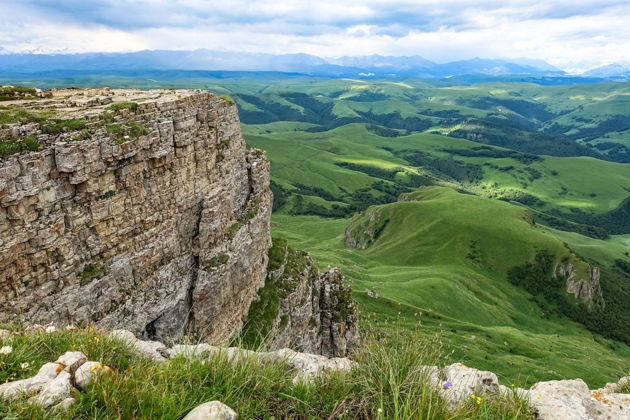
66	404
71	360
89	373
192	350
306	365
467	381
33	385
123	335
571	399
55	391
152	349
213	410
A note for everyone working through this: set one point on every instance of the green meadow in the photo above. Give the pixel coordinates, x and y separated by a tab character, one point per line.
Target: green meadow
459	197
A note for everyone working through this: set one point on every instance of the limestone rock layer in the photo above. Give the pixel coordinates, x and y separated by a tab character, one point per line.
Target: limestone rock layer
164	234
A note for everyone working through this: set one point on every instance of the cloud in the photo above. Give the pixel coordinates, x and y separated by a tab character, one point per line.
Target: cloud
578	33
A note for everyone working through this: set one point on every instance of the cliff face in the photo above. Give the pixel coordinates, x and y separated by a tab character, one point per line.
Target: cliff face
585	286
153	218
302	309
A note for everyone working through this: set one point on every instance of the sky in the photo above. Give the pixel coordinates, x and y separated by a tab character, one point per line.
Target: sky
573	35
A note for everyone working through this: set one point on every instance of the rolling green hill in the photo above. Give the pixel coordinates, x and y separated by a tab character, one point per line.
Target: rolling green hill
495	197
441	260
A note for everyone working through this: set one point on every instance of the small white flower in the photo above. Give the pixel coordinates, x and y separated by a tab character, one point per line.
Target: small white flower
6	350
70	327
50	329
380	410
24	365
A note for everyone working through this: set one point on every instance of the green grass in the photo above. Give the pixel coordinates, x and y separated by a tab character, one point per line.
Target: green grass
310	158
420	269
387	384
19	145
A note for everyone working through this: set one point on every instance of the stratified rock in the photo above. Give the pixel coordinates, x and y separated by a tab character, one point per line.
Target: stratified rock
571	399
585	286
463	381
365	228
339	323
162	232
213	410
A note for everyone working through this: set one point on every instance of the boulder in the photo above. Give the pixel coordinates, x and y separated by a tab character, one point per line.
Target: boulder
152	349
571	399
30	386
71	361
213	410
56	390
307	366
88	373
461	381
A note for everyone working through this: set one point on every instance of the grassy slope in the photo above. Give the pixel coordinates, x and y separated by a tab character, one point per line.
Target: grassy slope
309	158
420	270
386	384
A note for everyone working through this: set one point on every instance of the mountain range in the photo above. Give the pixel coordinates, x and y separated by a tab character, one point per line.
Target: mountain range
347	66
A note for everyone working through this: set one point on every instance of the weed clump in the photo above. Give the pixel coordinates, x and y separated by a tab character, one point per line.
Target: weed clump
20	145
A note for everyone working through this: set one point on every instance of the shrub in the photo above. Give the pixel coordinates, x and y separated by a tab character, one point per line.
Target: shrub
132	106
60	126
227	99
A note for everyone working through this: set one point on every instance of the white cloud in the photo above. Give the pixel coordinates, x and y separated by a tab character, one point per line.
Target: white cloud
569	34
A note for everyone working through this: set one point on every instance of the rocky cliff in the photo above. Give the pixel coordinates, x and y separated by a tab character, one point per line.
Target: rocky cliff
300	308
130	209
584	286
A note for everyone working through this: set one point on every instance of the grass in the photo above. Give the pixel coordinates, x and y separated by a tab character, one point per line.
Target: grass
214	262
132	106
389	383
311	159
20	145
59	126
127	131
90	272
14	114
420	269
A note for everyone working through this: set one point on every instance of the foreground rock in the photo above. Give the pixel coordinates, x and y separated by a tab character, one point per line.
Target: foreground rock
213	410
462	382
571	399
54	384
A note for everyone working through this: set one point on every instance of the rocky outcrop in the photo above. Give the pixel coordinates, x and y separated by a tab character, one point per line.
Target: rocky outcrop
365	228
300	309
585	286
153	218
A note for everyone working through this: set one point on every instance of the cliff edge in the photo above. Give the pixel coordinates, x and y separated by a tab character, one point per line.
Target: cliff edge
132	209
